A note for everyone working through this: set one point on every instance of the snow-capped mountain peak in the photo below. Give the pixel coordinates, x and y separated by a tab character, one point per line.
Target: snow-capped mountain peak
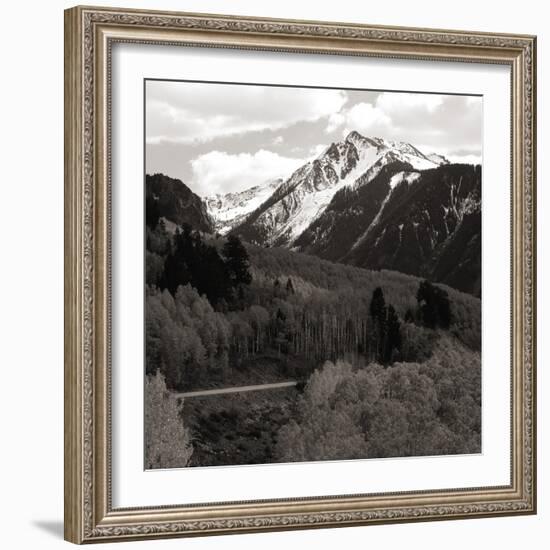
361	142
280	213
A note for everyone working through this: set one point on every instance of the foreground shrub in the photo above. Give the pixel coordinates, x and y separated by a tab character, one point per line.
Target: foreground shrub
167	441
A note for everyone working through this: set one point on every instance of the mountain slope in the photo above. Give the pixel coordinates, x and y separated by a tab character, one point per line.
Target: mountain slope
429	226
230	209
425	223
349	215
304	196
171	199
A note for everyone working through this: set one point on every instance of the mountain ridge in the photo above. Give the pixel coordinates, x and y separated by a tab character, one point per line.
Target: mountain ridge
172	200
306	194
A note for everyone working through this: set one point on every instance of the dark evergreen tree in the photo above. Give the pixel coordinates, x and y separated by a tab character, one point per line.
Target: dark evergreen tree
444	309
211	275
426	303
393	335
237	261
378	314
289	286
177	267
434	306
409	316
194	262
378	305
152	211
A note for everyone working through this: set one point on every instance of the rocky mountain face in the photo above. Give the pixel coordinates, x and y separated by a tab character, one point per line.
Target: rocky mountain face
352	213
425	223
172	200
231	209
303	197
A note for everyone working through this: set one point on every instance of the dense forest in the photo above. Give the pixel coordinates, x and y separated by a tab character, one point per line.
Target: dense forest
215	303
386	364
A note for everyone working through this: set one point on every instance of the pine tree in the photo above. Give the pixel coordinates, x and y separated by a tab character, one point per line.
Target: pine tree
409	316
152	211
237	261
426	302
194	262
378	305
434	305
393	335
289	286
444	309
378	314
177	267
211	275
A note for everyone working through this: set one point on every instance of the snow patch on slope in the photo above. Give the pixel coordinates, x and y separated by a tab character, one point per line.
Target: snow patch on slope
409	177
438	159
398	178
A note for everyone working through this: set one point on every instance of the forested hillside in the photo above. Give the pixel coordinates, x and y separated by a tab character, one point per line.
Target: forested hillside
215	303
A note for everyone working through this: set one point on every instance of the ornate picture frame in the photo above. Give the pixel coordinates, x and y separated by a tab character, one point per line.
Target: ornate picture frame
90	34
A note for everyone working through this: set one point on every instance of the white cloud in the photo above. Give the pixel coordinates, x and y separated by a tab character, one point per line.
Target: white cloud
366	119
221	172
399	105
184	118
441	122
316	150
464	159
389	112
335	121
185	112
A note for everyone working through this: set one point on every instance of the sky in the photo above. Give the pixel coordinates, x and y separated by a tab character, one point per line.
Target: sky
221	138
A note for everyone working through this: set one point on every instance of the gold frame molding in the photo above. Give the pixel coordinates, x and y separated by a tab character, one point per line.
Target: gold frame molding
89	35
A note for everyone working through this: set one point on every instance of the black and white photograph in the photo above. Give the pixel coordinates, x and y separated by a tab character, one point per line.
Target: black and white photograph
312	274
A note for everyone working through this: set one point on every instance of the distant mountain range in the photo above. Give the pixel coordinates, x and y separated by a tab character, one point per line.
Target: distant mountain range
363	201
231	209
